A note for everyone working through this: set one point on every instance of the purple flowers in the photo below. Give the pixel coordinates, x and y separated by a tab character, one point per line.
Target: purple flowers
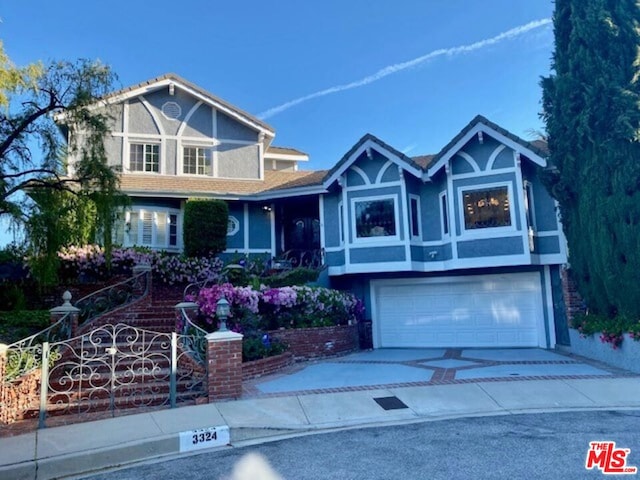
169	269
284	307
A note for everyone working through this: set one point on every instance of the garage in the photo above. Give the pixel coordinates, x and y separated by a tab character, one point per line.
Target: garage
468	311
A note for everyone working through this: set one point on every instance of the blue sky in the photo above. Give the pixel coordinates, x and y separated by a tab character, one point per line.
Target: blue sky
418	71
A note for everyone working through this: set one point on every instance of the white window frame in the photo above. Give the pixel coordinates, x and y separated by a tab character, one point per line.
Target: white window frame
376	240
418	213
489	232
145	143
445	220
198	147
154	228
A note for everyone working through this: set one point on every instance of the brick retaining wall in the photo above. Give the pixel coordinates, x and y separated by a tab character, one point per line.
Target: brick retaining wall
266	366
307	343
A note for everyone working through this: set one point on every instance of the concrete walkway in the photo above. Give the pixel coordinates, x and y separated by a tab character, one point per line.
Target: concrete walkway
86	447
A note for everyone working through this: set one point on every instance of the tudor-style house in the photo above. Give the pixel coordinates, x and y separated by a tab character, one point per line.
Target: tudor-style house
462	248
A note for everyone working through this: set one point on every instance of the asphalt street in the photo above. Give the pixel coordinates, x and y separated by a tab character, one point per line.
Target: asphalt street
544	445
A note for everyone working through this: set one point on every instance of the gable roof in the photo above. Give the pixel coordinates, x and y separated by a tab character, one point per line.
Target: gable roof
480	123
285	153
366	142
218	103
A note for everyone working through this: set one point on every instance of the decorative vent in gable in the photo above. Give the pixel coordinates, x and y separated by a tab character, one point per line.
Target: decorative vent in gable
171	110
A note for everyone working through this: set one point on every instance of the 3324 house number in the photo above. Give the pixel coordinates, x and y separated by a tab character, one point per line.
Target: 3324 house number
204	438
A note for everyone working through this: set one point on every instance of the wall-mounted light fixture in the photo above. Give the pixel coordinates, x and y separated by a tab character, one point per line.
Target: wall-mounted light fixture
266	208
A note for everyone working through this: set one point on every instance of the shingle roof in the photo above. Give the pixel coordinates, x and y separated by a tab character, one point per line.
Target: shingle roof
424	160
201	91
284	151
183	186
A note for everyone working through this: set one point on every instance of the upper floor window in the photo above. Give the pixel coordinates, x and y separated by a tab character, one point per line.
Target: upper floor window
144	157
414	213
375	218
444	214
486	208
197	161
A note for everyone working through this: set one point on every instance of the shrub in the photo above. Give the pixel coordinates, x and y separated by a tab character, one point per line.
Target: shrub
296	276
285	307
19	324
205	227
611	329
88	262
257	347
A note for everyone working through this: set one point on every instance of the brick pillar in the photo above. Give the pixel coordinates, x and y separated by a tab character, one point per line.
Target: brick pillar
66	308
224	365
573	302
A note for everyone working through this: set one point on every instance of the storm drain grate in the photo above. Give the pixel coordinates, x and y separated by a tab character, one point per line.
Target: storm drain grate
390	403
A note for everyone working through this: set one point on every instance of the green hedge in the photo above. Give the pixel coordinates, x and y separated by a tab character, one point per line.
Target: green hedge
205	227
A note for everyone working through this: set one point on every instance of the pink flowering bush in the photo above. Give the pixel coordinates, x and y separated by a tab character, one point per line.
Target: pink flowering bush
88	262
285	307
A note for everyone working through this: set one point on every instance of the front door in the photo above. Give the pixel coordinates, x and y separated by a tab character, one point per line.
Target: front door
302	233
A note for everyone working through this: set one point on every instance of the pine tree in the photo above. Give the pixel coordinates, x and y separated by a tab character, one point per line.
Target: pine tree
591	108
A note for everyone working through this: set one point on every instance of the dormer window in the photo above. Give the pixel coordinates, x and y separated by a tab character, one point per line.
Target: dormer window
197	161
144	157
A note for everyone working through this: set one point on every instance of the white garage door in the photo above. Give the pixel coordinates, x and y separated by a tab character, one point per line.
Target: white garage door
474	311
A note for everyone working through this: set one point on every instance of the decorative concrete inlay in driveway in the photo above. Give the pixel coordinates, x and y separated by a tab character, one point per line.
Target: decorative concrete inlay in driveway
449	363
338	375
390	368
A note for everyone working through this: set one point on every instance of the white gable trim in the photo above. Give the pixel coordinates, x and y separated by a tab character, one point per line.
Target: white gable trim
481	127
204	98
370	144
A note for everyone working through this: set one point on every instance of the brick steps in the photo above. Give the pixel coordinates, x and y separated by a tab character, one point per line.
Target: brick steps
141	372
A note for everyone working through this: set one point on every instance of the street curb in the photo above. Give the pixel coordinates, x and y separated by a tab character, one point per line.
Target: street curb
166	447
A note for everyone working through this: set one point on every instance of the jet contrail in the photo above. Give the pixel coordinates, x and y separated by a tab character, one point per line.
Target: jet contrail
391	69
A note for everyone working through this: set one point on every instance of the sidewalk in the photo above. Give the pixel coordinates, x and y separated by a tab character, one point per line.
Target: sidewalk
86	447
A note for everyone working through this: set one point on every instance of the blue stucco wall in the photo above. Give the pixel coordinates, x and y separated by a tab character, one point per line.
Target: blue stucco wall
423	254
377	254
230	129
259	228
546	216
331	220
546	245
491	247
335	259
200	124
140	120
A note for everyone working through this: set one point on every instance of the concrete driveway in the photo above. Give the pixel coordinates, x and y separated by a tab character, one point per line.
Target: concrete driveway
419	367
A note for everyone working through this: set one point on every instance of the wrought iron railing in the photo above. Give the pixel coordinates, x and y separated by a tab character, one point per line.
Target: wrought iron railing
112	297
25	355
193	338
297	257
191	291
114	368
